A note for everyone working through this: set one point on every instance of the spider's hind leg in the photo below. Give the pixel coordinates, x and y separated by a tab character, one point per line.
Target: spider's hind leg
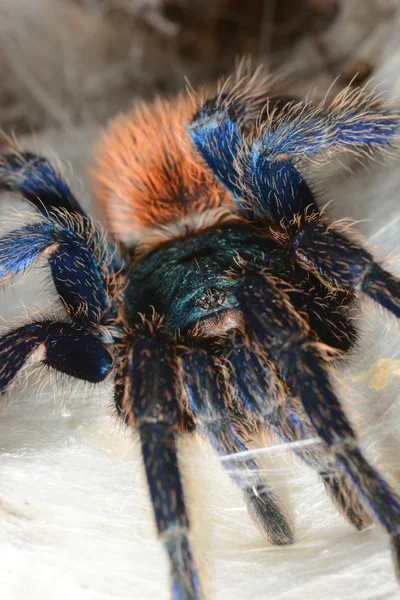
39	182
264	187
80	277
260	167
209	401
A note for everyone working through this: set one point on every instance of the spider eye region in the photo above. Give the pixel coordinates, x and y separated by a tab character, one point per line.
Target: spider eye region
211	299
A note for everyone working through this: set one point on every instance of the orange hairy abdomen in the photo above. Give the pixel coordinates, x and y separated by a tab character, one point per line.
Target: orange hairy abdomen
148	173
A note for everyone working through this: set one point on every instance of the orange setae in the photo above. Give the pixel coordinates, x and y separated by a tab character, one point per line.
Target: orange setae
148	174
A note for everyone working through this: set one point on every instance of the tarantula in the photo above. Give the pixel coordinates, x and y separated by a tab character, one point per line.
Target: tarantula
220	299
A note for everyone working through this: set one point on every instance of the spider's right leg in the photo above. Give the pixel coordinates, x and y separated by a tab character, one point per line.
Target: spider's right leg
146	399
286	418
292	425
66	347
283	335
260	169
209	401
263	186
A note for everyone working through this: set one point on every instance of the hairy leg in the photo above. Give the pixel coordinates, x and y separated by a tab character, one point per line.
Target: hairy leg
78	270
146	398
40	183
265	396
209	401
262	187
283	335
260	168
344	264
328	313
292	425
68	348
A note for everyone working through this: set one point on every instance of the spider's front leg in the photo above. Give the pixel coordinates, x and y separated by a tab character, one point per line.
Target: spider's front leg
149	381
210	401
291	424
66	347
146	396
256	382
283	334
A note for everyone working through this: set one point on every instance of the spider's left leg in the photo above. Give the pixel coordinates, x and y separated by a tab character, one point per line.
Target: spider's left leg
209	400
283	334
146	398
39	182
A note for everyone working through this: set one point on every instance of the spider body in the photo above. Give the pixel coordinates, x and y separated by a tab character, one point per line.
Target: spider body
226	301
184	280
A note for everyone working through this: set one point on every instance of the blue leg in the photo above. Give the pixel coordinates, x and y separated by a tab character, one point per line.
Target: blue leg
291	425
81	278
353	120
147	400
259	169
34	178
37	181
280	331
65	347
345	265
258	388
208	401
329	321
263	187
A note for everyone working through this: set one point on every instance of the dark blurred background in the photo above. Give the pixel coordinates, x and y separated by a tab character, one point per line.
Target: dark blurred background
66	62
